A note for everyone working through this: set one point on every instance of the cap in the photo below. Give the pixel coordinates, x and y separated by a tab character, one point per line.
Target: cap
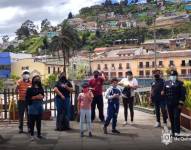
173	73
114	79
129	73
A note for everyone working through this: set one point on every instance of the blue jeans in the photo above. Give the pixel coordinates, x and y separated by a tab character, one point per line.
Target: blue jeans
85	114
112	113
62	106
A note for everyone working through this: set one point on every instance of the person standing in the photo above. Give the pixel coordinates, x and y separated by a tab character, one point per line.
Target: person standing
175	93
63	89
84	108
158	99
21	89
113	95
97	85
34	99
130	84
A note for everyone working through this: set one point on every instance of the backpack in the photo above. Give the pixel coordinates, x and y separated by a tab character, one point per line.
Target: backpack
126	92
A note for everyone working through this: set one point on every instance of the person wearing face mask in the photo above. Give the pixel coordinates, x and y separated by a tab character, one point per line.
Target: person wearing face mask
34	99
21	89
63	89
97	88
130	84
174	92
158	99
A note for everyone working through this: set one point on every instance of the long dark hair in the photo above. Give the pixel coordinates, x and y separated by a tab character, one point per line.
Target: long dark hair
33	83
62	77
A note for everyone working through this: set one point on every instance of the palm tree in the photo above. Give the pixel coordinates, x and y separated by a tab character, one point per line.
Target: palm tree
66	41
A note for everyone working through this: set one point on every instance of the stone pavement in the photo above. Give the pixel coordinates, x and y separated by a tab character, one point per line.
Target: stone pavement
140	136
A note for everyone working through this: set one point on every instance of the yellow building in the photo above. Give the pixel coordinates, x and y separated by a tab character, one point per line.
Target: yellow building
143	65
44	69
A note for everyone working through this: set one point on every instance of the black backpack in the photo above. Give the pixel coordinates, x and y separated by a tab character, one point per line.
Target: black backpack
126	92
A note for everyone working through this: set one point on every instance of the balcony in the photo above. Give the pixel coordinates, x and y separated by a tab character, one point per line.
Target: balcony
186	65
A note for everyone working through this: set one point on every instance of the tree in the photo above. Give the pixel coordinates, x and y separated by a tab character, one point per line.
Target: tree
5	38
108	2
1	85
22	32
67	40
50	81
45	25
31	27
70	15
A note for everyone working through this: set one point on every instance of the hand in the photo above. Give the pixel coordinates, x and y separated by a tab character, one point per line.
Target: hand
40	96
63	97
65	86
115	96
162	93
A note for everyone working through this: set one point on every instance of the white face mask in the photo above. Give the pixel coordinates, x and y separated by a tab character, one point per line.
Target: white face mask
173	78
129	77
26	76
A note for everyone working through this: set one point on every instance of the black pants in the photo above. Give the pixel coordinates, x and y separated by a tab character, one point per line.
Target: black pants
160	105
35	119
22	108
128	103
98	100
174	115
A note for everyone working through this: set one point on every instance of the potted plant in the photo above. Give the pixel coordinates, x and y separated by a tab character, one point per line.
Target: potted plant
185	118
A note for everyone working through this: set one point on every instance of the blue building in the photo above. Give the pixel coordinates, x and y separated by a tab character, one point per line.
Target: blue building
5	64
6	59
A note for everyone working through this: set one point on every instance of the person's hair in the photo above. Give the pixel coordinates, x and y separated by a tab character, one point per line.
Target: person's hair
157	70
96	72
114	79
85	85
129	73
33	84
63	74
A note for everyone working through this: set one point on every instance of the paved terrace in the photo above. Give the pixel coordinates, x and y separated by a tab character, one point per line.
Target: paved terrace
140	136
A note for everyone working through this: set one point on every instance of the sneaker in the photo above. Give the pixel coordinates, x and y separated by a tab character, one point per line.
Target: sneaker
157	124
39	137
21	131
32	138
115	131
90	134
81	134
125	123
131	123
105	130
165	127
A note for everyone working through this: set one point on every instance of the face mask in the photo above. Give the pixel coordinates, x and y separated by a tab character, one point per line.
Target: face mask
129	77
37	82
173	78
63	78
157	76
26	76
96	76
85	90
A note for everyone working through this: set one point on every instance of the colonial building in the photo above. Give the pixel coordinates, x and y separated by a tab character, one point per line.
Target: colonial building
142	63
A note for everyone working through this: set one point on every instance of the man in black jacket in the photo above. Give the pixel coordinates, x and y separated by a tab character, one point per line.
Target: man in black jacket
174	93
158	99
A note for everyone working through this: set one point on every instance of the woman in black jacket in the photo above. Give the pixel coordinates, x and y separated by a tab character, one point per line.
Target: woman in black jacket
34	98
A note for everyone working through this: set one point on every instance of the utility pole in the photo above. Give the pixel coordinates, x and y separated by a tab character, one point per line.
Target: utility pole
155	48
90	64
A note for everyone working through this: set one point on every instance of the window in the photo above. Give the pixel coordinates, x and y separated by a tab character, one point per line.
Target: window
98	67
120	74
127	66
183	71
140	64
25	68
171	63
141	73
120	66
113	74
183	63
160	63
54	70
74	66
113	66
48	70
147	64
105	67
189	62
153	64
147	72
58	70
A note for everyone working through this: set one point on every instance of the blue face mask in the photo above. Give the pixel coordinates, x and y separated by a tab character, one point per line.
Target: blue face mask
173	78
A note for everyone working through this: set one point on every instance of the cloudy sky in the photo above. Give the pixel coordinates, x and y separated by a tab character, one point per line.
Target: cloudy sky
14	12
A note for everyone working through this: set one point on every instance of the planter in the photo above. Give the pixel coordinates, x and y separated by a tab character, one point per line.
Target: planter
14	115
46	115
185	118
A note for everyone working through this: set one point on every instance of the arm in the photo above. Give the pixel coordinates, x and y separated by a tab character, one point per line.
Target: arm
69	87
182	94
58	93
135	85
108	96
103	76
79	100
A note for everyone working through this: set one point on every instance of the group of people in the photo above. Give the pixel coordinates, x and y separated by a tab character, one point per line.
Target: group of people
166	95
